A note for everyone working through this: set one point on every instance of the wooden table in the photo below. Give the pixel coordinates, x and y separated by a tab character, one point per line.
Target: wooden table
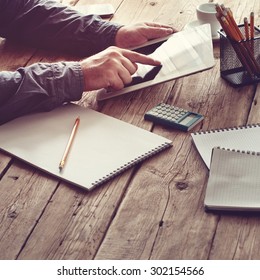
154	210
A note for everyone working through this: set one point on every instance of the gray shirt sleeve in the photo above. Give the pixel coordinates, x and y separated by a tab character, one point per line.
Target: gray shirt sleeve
39	87
47	24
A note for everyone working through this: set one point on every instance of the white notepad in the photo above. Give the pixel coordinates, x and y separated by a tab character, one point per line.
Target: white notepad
246	138
184	53
234	181
102	148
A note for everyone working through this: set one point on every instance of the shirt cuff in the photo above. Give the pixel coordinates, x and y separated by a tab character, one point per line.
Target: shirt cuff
69	80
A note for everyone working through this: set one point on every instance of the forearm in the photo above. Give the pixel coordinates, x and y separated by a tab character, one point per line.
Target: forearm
39	87
48	24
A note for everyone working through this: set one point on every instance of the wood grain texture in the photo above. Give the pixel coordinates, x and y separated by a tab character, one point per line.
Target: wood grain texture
4	162
155	209
24	194
74	224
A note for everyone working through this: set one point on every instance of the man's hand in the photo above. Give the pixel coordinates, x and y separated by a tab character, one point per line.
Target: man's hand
112	67
134	35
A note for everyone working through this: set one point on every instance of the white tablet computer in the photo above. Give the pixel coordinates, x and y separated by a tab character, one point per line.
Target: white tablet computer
182	53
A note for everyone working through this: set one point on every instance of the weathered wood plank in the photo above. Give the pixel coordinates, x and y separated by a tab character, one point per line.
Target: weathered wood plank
24	194
73	225
154	203
177	226
237	237
155	212
254	116
4	161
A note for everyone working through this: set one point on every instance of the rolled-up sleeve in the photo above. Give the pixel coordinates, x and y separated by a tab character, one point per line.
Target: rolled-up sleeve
39	87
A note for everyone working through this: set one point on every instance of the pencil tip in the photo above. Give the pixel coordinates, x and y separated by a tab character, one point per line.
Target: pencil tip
61	167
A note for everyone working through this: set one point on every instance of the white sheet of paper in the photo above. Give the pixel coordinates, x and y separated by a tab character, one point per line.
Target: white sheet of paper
240	138
234	181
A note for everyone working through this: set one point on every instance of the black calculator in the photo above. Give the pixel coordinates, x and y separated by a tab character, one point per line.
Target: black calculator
172	116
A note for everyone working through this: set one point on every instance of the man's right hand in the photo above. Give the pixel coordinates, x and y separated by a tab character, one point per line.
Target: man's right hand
112	68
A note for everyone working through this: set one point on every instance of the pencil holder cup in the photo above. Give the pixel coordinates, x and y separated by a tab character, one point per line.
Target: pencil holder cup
235	58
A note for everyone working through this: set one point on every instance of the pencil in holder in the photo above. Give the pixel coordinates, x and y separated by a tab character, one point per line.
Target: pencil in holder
240	61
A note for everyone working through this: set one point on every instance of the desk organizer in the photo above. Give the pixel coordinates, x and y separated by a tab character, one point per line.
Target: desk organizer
231	68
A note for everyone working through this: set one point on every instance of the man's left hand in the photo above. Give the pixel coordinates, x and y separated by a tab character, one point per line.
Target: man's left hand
134	35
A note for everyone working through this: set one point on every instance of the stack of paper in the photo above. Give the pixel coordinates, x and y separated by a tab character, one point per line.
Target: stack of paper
234	178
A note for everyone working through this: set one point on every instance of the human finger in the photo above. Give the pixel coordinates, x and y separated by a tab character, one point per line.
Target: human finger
129	65
125	76
160	25
140	58
119	80
154	32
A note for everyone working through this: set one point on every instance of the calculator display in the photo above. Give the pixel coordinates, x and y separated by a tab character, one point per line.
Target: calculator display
186	120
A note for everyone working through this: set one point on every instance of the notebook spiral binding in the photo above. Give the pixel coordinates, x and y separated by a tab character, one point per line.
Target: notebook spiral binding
130	164
227	129
240	151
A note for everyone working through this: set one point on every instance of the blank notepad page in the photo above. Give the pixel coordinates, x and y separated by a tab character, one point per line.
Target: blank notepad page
234	181
245	138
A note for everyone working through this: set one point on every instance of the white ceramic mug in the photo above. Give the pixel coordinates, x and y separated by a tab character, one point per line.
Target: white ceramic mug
206	13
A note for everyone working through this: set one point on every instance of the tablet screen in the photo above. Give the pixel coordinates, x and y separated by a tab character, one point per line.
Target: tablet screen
183	53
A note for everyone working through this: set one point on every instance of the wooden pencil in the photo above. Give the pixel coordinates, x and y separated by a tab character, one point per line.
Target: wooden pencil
244	51
252	25
69	144
246	28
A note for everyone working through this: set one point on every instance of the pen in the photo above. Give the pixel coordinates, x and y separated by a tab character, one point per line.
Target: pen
66	152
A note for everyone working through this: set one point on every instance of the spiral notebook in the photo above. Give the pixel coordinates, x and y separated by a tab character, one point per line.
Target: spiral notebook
234	181
239	138
102	148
